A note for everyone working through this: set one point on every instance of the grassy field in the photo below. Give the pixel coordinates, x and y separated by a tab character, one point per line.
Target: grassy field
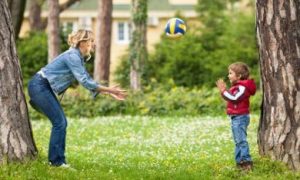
147	148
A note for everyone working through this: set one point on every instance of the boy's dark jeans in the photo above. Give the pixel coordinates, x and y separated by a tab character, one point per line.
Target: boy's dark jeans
44	100
239	126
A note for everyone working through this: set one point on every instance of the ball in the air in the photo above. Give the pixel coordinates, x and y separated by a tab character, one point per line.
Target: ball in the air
175	28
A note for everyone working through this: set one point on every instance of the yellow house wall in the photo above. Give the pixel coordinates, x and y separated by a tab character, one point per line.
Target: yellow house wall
25	28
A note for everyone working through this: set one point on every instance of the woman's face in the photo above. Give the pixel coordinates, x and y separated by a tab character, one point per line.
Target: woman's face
232	76
86	47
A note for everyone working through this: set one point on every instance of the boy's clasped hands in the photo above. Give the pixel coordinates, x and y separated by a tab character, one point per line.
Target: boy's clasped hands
221	85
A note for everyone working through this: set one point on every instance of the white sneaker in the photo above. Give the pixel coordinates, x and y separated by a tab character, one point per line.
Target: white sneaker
64	165
67	166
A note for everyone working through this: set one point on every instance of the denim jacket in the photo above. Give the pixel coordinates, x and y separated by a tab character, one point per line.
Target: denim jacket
67	67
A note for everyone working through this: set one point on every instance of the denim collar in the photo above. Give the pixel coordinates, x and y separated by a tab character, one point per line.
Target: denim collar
77	51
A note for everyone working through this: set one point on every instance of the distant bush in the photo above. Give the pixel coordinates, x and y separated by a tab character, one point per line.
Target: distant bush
33	53
156	100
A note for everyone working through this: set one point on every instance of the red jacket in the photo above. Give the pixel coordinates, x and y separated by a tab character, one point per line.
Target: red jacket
238	95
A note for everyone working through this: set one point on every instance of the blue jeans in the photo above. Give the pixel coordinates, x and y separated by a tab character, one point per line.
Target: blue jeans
239	124
44	100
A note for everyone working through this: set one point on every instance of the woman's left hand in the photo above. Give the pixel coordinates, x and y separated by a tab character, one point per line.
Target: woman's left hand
115	91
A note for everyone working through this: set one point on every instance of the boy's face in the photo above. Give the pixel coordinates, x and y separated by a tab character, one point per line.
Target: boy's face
232	76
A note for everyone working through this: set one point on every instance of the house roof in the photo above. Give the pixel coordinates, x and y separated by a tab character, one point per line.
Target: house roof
161	8
155	5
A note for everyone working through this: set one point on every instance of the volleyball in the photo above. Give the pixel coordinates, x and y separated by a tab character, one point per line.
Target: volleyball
175	28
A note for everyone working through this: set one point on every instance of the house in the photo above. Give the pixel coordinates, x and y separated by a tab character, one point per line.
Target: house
83	14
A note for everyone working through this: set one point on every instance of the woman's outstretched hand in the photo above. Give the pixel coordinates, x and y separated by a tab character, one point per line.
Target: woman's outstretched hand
115	91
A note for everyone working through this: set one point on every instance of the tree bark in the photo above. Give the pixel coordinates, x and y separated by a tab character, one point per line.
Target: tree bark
35	19
103	42
16	140
53	29
279	41
138	44
67	4
17	8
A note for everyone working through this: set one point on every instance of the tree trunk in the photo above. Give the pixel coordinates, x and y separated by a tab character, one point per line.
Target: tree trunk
279	47
103	42
17	8
35	19
53	29
67	4
16	140
138	44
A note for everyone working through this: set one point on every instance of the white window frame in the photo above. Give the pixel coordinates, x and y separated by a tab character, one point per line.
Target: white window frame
85	22
126	32
73	24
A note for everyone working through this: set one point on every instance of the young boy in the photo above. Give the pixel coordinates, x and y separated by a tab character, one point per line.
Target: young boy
237	98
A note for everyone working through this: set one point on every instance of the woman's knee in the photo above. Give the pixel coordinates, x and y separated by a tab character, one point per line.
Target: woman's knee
60	124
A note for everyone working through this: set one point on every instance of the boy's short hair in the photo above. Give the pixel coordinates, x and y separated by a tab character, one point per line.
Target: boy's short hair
241	69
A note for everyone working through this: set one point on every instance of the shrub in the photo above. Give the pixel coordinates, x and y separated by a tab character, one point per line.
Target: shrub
156	100
199	58
33	53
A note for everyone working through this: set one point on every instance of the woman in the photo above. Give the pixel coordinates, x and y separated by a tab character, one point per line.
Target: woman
55	78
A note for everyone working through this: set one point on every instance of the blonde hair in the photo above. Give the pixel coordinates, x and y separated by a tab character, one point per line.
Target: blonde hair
81	35
241	69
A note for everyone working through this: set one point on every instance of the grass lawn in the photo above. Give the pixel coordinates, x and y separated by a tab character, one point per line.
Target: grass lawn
126	147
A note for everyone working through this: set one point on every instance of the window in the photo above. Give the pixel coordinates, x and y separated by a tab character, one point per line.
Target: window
85	22
69	26
123	32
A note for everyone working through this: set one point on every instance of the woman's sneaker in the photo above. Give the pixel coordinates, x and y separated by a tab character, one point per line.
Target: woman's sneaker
64	165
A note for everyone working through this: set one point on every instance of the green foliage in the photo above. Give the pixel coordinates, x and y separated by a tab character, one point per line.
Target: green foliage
197	60
202	56
180	60
146	147
33	53
122	72
140	11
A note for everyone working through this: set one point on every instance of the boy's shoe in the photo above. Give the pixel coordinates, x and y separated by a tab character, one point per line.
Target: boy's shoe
247	166
239	165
